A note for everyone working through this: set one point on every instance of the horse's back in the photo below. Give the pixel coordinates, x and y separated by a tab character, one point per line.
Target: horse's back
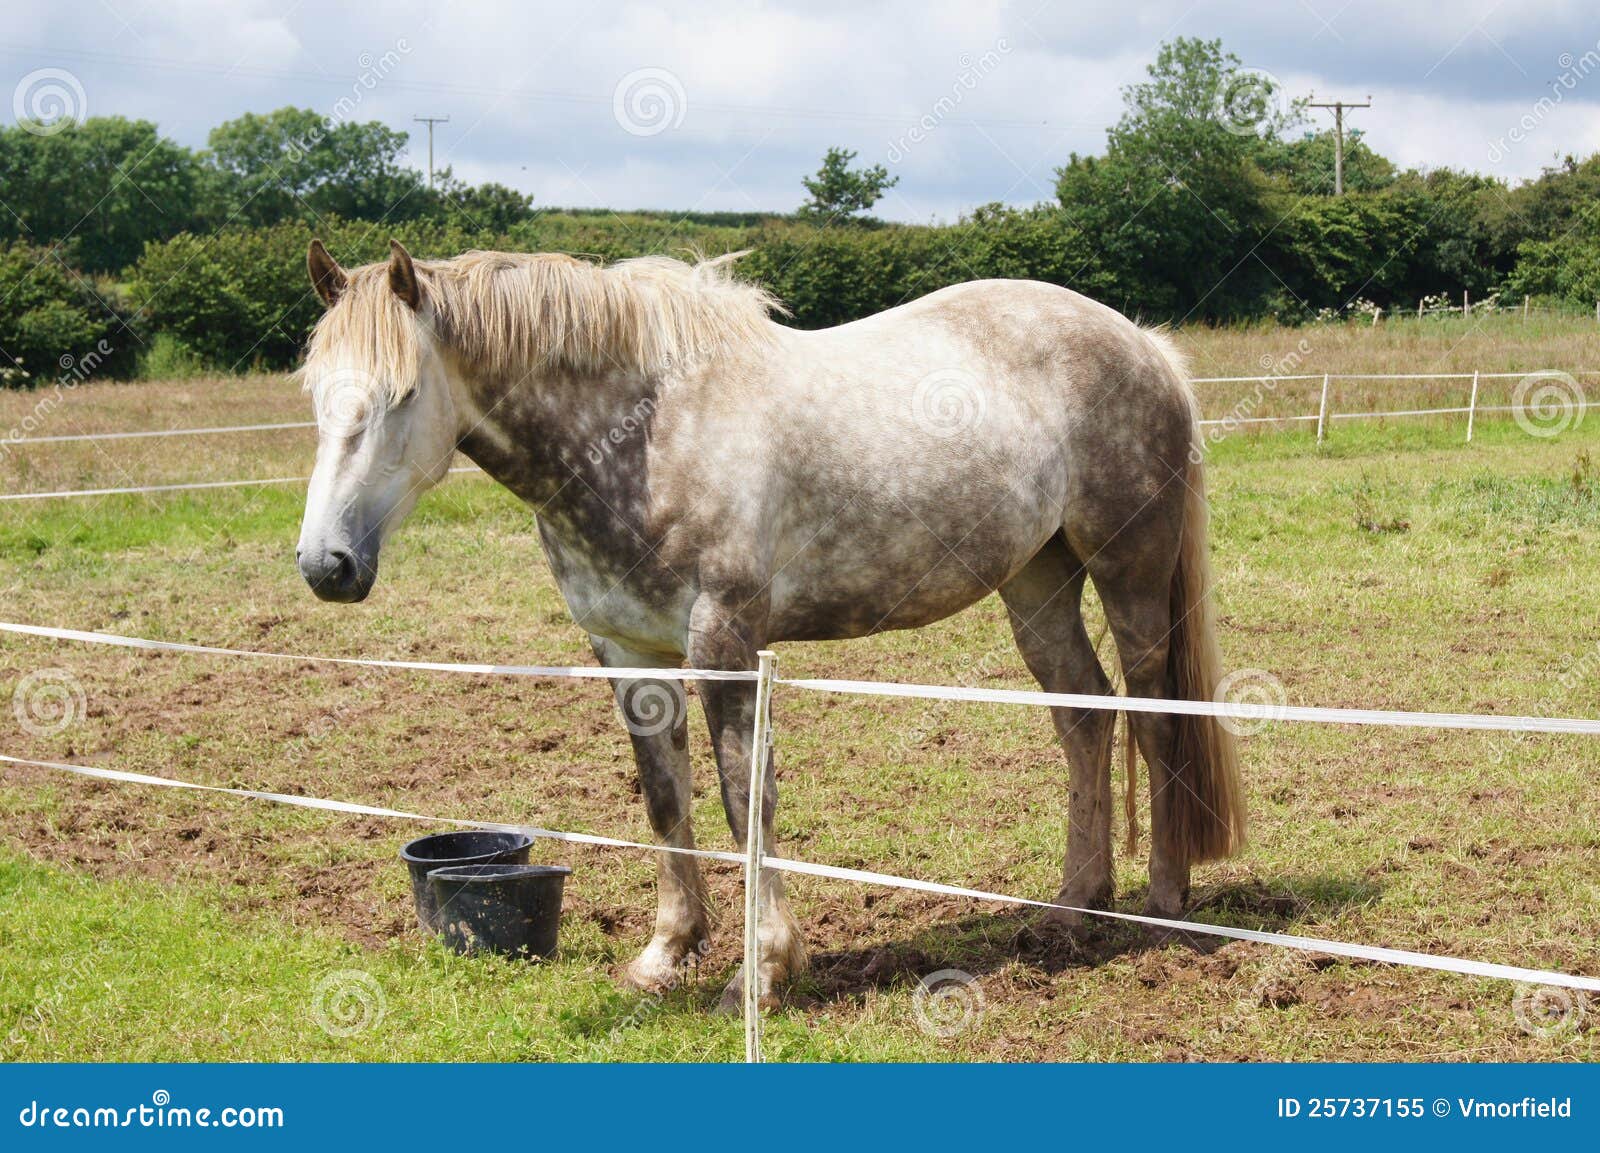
917	459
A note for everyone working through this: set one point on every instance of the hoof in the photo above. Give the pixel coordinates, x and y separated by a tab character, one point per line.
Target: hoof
662	967
731	1003
1071	919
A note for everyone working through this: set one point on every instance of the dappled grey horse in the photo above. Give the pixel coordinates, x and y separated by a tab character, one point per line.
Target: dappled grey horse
708	482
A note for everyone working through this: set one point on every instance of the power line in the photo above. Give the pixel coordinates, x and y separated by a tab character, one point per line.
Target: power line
1338	107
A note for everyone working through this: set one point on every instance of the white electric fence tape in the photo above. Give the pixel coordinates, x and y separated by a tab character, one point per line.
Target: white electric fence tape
1241	710
587	671
142	434
1386	956
190	486
1490	722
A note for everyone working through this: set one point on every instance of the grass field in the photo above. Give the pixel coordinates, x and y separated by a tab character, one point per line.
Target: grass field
1395	567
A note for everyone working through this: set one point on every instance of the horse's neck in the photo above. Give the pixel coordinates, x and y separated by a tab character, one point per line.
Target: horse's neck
574	446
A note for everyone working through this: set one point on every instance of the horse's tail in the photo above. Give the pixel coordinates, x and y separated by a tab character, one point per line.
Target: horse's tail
1208	807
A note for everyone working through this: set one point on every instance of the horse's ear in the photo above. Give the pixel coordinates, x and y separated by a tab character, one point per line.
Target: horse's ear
403	275
326	276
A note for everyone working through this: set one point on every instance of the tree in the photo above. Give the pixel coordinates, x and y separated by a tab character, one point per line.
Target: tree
100	189
1306	165
296	164
48	316
1178	204
490	206
839	191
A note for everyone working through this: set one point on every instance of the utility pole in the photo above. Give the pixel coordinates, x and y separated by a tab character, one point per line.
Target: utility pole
430	121
1338	107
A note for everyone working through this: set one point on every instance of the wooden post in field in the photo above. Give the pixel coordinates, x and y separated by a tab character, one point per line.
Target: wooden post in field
1322	410
1377	314
1419	309
1472	405
760	755
1466	303
1525	300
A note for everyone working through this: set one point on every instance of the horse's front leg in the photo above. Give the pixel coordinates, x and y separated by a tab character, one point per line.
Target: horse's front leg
656	713
722	636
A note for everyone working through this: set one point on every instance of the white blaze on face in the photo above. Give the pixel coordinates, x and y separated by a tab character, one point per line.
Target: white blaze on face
374	461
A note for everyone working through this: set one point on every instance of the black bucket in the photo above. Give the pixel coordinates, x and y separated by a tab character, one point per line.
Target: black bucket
469	847
512	909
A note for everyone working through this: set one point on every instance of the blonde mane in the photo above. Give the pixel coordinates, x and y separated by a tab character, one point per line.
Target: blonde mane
513	314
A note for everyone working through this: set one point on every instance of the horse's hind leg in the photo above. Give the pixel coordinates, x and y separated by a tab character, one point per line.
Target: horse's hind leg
1043	603
1140	615
656	713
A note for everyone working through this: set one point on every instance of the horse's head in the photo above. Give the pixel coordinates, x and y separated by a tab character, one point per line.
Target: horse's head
386	421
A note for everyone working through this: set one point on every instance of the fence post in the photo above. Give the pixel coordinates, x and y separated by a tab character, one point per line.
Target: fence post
1472	405
1466	303
1525	299
1322	410
760	757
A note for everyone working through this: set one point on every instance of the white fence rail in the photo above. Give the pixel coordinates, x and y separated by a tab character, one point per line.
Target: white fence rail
1576	402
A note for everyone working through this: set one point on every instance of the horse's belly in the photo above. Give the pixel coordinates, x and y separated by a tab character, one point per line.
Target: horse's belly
910	572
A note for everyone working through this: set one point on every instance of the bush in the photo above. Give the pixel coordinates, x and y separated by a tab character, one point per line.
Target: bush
242	300
50	319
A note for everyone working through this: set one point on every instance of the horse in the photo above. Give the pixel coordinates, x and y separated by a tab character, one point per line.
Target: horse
708	481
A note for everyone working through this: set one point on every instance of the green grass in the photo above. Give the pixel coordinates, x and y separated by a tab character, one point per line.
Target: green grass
1393	567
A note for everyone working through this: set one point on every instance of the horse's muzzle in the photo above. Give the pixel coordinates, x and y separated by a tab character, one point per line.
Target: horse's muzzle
338	574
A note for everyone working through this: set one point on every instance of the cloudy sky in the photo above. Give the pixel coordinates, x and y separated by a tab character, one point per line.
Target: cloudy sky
724	105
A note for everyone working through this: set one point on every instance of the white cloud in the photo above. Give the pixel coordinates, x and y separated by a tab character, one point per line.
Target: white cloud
769	85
